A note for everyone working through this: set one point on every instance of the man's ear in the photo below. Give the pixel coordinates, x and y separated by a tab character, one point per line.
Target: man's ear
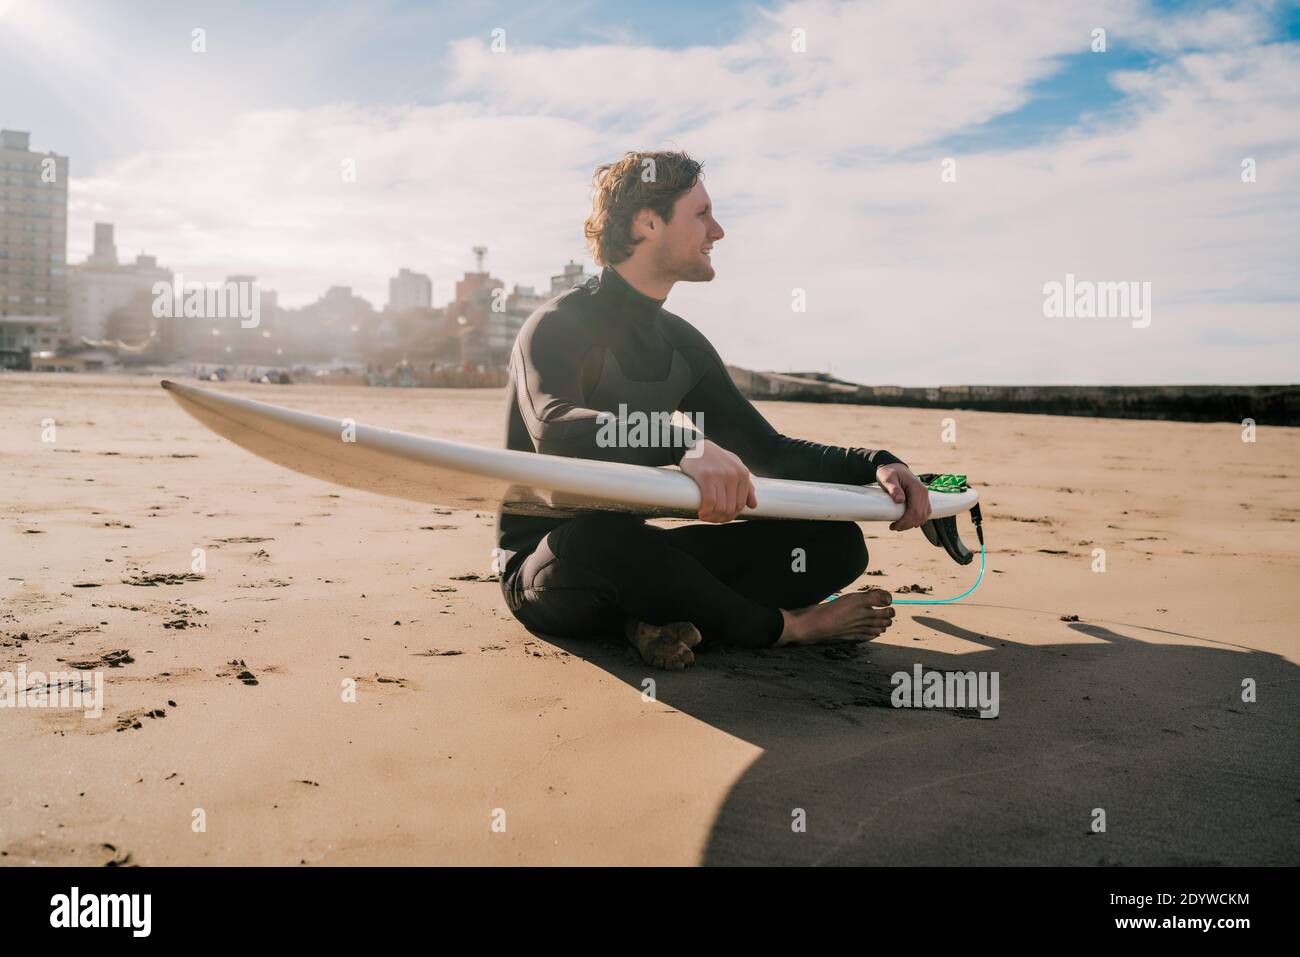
644	224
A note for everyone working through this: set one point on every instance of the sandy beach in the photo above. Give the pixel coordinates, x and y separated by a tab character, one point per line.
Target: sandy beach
463	719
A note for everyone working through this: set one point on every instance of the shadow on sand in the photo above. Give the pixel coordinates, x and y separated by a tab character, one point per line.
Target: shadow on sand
1156	735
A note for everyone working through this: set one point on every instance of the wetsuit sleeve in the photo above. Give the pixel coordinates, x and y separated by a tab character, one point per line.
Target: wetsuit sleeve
547	364
729	419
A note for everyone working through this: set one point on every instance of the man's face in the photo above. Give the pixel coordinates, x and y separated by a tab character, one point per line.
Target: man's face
683	252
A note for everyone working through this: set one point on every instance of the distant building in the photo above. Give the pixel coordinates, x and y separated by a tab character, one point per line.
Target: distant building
105	252
267	343
87	360
220	338
477	297
33	242
101	286
487	318
22	337
503	327
409	290
332	327
573	275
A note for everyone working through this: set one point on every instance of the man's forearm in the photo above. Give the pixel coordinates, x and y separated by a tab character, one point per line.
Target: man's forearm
785	457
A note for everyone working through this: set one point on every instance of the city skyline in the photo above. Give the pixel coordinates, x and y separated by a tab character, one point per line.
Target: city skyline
105	250
81	252
130	308
106	311
826	166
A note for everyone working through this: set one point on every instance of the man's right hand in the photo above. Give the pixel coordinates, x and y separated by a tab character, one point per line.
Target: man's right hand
726	486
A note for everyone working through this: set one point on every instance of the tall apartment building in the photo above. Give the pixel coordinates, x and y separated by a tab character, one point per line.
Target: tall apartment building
33	245
410	290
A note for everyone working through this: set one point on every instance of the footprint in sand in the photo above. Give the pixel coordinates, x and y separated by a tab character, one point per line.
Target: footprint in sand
237	668
117	658
162	578
130	720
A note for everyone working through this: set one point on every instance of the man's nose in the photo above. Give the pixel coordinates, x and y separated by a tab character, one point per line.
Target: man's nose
716	233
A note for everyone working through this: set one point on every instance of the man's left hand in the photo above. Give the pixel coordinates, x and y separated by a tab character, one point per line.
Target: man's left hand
905	489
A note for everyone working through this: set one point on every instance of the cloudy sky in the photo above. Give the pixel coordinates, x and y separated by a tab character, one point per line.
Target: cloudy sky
824	163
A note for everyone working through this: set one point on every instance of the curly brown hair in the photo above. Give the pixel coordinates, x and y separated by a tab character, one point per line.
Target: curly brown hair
640	180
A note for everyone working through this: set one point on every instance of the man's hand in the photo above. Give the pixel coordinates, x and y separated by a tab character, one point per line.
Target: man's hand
905	488
725	483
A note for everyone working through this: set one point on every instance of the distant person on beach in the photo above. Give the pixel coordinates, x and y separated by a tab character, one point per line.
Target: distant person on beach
608	348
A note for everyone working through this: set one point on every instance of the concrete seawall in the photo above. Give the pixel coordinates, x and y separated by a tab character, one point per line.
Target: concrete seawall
1266	404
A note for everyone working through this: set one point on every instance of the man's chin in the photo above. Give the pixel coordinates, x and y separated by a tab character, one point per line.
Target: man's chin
700	272
695	269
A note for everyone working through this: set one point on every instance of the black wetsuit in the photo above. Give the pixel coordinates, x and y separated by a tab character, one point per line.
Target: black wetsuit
604	344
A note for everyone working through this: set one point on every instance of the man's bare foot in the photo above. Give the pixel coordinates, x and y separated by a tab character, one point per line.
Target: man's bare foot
859	616
664	646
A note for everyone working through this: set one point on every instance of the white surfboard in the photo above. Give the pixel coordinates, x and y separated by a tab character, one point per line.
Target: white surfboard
460	475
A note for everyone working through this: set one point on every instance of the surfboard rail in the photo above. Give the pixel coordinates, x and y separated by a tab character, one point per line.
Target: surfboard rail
462	475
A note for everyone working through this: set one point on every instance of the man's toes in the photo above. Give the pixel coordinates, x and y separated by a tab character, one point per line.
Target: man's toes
664	646
669	663
685	632
671	655
682	658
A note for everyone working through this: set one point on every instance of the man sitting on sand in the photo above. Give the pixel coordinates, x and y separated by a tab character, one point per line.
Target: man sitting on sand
609	346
